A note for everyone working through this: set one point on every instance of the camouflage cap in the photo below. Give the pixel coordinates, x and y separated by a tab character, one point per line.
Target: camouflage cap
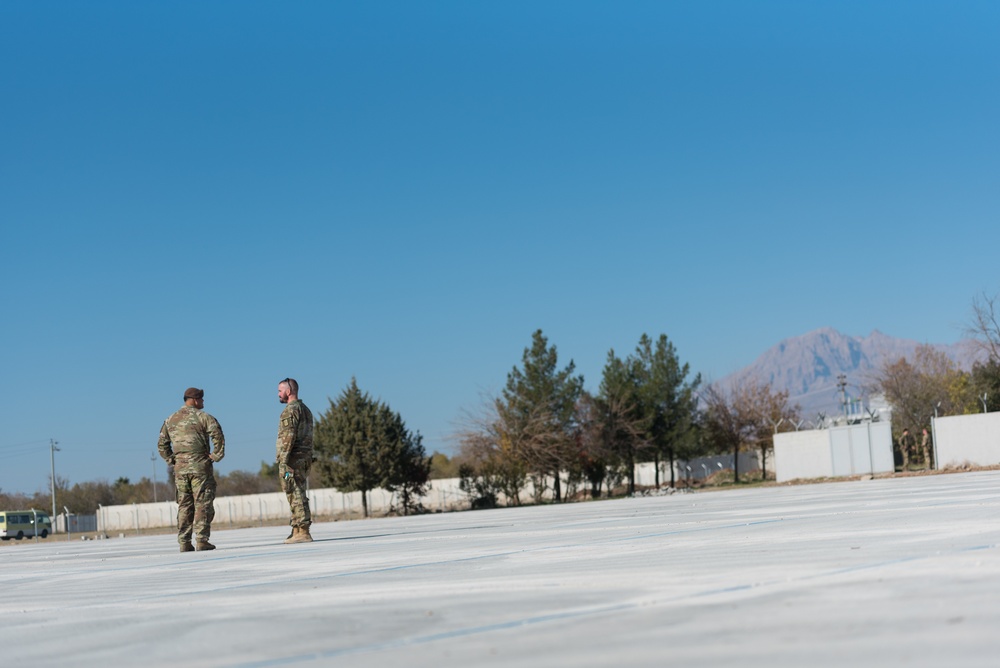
194	393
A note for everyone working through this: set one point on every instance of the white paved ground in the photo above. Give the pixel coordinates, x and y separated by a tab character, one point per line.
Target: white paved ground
896	572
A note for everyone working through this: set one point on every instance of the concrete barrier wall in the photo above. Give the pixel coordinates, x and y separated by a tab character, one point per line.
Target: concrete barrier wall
442	496
261	508
960	440
968	439
802	455
838	451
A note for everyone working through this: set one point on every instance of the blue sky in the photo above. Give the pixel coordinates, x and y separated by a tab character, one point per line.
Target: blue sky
224	194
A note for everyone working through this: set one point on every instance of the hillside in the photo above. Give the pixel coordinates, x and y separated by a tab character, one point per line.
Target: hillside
808	365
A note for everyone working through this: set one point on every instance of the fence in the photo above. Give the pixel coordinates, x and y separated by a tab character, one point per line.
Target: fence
702	468
77	523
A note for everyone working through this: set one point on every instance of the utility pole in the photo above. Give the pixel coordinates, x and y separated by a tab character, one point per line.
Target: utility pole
934	434
52	458
842	384
153	459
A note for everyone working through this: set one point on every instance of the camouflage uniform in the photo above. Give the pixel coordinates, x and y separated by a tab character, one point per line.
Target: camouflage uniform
295	455
188	431
906	447
925	445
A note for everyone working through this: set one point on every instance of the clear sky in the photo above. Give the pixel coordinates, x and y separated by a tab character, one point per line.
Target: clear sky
224	194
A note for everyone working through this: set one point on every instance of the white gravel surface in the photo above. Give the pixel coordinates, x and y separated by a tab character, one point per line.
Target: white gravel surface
891	572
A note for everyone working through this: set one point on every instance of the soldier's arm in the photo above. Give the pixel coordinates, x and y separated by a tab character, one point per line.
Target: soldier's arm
218	439
163	445
286	435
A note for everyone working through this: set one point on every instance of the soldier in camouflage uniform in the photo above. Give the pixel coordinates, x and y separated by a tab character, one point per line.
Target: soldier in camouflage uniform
294	457
184	444
906	448
925	445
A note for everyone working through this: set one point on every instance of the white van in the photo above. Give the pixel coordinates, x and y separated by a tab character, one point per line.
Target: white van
18	524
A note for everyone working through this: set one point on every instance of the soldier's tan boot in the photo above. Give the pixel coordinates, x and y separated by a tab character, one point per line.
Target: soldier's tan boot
300	535
187	547
204	545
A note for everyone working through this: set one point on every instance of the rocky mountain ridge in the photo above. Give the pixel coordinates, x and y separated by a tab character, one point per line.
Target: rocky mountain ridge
808	366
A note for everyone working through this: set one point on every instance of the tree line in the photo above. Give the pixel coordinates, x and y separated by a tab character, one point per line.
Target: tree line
545	429
547	433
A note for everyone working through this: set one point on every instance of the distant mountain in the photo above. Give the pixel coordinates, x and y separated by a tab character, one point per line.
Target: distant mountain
808	365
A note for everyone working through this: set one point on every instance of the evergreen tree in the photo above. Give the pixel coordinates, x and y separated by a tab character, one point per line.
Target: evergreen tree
623	426
405	465
668	400
540	401
985	384
361	445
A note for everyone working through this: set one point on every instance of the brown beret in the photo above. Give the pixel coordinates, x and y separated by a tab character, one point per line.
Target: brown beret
194	393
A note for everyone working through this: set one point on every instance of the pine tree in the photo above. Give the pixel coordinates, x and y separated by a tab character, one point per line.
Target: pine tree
540	400
405	465
361	445
623	425
668	400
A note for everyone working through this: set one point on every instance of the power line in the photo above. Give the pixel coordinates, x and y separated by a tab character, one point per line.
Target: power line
25	443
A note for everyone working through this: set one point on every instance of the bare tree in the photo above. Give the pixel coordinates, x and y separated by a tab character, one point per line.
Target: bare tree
595	457
931	382
771	413
528	435
984	326
725	427
743	416
502	445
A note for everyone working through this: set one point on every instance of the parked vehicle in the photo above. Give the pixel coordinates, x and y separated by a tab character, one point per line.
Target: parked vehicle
18	524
